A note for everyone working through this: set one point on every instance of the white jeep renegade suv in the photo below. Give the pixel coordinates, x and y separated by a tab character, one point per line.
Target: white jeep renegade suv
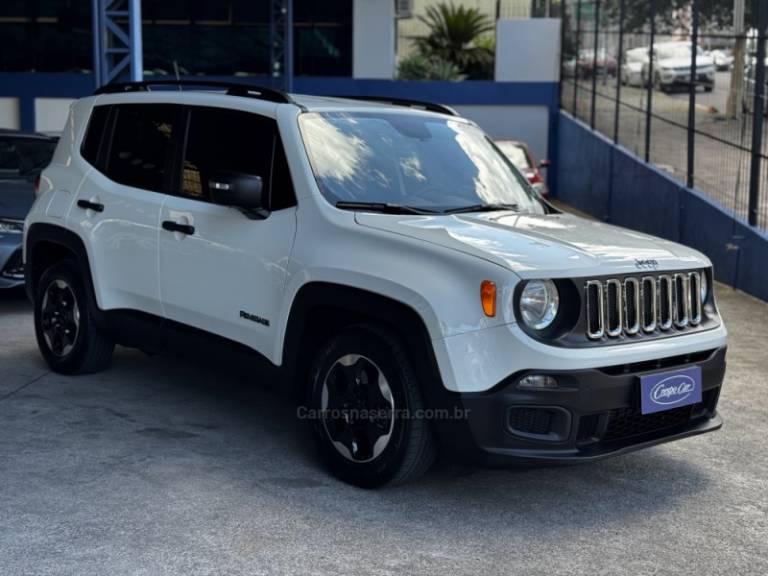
388	263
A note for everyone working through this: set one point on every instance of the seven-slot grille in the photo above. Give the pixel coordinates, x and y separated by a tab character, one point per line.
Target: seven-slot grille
642	304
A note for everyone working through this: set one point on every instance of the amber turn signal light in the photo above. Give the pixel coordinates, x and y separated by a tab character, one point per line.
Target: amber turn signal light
488	297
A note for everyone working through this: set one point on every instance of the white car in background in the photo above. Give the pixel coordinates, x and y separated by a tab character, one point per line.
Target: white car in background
632	68
672	67
723	60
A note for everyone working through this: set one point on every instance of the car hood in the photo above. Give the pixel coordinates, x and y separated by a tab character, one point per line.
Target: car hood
685	62
554	245
16	198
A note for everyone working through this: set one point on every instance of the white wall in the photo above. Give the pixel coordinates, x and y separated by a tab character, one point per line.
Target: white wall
528	50
527	123
373	39
51	114
9	113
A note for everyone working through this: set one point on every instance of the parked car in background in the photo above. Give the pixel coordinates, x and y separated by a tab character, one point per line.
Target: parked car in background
604	65
632	68
722	59
672	67
569	67
750	76
22	158
523	159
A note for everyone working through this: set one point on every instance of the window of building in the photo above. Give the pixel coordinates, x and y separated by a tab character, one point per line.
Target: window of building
45	36
141	145
229	37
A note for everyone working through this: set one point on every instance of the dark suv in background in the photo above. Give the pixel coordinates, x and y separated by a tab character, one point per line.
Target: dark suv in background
22	158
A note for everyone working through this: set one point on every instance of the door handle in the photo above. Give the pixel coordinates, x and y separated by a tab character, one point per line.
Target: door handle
88	205
172	226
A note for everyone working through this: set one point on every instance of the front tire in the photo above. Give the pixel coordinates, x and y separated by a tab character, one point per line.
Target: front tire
366	404
67	334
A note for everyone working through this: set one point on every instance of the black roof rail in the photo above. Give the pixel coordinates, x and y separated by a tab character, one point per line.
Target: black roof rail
232	88
429	106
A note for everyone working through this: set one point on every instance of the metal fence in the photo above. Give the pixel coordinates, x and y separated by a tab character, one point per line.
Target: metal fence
680	84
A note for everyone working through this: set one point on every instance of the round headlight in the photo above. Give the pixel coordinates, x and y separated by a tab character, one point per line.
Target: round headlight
703	287
539	302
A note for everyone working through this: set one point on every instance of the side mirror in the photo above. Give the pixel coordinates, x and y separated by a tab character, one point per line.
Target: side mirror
244	191
545	163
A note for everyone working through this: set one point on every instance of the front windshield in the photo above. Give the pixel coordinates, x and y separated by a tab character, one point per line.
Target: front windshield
426	162
24	157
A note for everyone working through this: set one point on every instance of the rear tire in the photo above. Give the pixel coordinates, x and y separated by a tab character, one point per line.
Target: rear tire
365	401
67	334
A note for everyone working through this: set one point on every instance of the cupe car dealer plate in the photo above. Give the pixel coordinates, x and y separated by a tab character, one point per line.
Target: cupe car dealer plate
667	390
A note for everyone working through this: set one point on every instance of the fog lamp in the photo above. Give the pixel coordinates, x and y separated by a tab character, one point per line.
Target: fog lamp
537	381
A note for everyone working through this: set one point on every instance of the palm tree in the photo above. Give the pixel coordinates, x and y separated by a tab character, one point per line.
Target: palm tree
454	32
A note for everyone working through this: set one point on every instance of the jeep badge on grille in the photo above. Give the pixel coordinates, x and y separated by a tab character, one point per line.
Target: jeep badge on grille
646	264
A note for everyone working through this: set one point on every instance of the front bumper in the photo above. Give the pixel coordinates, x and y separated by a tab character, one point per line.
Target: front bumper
11	266
592	415
674	79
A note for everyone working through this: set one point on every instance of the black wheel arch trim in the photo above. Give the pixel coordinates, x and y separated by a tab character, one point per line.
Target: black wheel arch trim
454	437
43	233
400	318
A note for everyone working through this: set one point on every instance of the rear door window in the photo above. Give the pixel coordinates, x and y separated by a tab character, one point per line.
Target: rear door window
141	150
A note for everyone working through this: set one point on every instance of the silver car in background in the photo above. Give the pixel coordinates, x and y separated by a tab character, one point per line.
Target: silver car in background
672	67
22	158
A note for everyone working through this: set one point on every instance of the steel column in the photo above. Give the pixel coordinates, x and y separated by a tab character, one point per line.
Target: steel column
576	59
594	66
281	43
759	107
649	81
616	112
117	45
692	94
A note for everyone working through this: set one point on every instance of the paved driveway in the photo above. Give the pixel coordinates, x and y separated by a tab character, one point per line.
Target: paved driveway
162	466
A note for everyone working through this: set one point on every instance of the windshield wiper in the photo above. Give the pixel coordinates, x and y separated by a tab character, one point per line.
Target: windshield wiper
384	207
481	208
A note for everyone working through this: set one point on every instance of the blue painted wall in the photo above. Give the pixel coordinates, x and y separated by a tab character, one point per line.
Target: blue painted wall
612	184
27	87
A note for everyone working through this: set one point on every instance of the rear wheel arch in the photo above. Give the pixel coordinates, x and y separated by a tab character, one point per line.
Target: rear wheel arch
48	244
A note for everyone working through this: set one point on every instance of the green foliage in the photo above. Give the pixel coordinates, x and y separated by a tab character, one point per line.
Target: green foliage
716	13
456	35
418	67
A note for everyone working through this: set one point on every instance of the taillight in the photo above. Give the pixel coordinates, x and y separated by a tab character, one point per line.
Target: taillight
534	177
37	186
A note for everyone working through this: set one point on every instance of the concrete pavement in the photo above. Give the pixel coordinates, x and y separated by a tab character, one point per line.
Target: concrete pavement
163	466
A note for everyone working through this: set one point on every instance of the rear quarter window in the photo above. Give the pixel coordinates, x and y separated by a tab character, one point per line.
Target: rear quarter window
94	135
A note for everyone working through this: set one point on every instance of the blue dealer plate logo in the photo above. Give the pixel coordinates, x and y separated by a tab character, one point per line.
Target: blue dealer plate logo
668	390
